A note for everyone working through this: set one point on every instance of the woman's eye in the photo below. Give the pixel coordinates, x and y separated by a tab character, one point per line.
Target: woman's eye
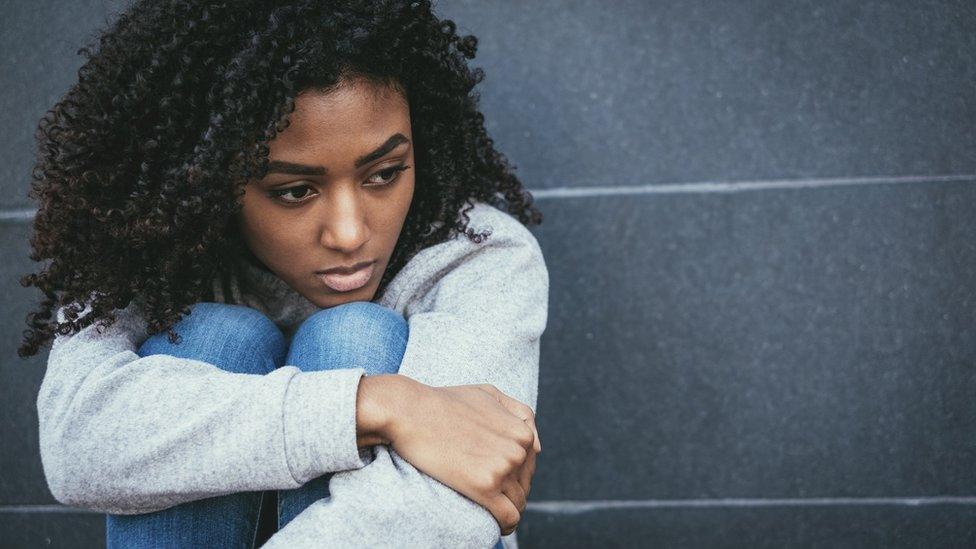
299	195
387	176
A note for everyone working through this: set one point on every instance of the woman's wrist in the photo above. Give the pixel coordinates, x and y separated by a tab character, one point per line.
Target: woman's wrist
378	406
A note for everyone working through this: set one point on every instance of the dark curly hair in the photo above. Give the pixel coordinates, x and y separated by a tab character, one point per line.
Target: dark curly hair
142	163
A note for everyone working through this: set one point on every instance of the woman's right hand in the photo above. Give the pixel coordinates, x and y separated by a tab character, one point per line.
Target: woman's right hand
472	438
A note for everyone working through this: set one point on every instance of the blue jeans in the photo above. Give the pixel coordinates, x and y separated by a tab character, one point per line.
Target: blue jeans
242	340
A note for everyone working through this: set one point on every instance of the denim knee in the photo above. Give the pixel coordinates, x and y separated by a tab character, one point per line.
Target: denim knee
357	334
232	337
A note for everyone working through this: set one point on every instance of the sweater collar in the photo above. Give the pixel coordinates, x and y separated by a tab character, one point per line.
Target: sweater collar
258	287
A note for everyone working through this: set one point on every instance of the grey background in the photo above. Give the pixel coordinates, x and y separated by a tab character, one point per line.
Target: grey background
762	249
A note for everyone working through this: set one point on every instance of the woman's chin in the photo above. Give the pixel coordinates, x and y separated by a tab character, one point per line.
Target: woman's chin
325	298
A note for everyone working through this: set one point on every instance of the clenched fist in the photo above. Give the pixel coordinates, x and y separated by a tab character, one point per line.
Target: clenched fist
473	438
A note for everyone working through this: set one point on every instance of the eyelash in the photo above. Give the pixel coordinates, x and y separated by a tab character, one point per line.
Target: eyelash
278	193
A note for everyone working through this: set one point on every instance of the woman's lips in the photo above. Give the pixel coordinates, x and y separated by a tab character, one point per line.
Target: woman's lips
347	282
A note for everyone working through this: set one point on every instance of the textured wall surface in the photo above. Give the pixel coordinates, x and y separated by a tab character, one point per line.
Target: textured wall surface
761	239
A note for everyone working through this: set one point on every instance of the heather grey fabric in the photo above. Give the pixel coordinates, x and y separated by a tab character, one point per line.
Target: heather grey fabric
126	434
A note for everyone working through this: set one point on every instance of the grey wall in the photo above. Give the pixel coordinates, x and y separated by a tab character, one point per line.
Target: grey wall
762	248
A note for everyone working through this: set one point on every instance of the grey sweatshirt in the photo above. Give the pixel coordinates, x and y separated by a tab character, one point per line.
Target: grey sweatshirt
125	434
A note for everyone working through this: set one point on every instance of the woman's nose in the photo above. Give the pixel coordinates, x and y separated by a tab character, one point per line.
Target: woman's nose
343	227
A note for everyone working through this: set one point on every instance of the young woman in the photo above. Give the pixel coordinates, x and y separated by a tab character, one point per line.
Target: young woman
286	266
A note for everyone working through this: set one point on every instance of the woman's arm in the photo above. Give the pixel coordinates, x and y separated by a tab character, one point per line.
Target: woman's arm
126	434
480	322
473	438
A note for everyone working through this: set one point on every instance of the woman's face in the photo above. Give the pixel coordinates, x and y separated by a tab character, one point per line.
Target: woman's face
333	195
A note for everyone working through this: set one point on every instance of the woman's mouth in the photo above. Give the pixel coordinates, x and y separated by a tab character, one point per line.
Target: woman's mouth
348	282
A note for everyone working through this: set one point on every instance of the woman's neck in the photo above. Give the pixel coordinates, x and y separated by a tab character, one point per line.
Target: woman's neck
253	260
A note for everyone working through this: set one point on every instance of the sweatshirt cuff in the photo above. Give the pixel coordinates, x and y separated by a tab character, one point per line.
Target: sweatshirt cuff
320	423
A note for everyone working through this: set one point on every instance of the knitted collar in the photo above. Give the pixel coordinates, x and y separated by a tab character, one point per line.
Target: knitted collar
259	288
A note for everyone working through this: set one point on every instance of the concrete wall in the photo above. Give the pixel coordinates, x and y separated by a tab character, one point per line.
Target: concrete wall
761	239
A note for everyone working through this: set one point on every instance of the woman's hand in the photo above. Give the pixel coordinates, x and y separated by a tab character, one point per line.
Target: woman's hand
472	438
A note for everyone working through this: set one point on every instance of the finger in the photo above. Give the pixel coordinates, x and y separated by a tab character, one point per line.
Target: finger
494	392
538	443
506	514
529	418
526	414
530	421
514	492
525	473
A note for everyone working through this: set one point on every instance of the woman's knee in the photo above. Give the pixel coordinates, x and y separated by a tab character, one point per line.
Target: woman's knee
356	334
233	337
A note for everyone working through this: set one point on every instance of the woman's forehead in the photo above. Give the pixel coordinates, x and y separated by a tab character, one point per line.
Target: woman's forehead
342	123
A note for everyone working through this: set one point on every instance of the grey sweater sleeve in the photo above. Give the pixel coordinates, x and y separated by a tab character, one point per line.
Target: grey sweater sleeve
126	434
479	321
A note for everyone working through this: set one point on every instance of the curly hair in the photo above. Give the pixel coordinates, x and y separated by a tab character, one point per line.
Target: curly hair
142	163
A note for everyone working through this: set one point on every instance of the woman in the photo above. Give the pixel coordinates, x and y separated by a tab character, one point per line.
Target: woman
286	265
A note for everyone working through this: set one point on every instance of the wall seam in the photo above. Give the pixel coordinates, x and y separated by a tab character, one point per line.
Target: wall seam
583	506
701	187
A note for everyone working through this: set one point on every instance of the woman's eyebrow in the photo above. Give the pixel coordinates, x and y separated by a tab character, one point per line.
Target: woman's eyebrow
292	168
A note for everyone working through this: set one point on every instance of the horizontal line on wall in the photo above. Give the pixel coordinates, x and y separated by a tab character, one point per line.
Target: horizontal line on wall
585	506
27	214
17	215
739	186
574	507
